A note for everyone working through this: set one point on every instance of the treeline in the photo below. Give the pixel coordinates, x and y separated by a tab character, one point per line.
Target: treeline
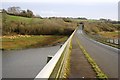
109	21
17	11
36	26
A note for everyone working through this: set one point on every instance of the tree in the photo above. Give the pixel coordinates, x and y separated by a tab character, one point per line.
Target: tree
29	13
82	18
23	13
14	10
4	11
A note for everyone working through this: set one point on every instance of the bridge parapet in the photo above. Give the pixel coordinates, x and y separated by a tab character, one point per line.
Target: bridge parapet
56	67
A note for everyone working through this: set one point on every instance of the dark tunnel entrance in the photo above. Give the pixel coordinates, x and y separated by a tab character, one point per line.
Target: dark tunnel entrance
81	25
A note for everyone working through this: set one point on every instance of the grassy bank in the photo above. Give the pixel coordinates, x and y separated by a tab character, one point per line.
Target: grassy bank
22	42
96	27
55	30
36	26
110	34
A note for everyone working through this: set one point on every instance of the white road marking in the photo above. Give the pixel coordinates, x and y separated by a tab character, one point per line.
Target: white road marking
81	32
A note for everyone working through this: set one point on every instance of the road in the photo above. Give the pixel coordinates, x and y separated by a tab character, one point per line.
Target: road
105	56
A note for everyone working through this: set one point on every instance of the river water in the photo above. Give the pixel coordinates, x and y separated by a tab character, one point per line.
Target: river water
25	63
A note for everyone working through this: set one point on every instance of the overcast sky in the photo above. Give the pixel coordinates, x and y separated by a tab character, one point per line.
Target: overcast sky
92	9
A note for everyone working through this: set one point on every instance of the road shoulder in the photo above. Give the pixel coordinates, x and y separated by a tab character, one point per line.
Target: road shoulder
79	66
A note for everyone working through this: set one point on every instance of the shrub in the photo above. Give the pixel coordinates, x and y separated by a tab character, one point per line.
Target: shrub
36	26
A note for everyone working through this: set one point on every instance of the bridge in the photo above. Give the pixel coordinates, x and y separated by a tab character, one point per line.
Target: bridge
79	57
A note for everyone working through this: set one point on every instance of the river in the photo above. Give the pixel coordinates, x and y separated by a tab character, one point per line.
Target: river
25	63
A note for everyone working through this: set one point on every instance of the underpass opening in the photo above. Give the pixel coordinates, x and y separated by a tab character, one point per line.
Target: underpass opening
81	25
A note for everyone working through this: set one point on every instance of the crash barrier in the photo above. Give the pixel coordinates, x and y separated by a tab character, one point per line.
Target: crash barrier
55	68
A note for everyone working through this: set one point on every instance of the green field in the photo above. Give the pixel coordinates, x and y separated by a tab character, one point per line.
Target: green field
17	42
36	26
21	19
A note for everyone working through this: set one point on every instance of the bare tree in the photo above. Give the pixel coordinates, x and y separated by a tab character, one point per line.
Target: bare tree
14	10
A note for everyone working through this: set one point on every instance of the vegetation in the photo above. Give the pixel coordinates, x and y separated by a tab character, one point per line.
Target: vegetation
110	34
82	18
67	63
99	72
16	11
96	27
62	67
102	30
35	26
92	26
20	22
117	26
21	29
27	41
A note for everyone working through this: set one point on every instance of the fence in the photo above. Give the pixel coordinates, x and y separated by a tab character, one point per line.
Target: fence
109	41
56	67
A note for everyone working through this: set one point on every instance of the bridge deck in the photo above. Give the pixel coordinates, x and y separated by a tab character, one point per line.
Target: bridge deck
79	66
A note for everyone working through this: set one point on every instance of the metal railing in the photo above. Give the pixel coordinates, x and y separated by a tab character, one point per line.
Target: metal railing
55	68
109	41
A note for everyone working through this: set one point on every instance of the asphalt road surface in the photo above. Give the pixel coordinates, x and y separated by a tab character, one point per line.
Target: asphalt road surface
105	56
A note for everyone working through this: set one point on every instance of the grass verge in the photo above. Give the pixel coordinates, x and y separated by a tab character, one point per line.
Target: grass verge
9	43
110	34
67	67
99	72
61	69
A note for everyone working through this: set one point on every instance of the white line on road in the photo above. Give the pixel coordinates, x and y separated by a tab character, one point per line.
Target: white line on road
80	31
